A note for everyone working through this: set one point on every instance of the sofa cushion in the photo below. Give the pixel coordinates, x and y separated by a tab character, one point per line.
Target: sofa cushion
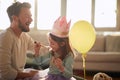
99	61
112	43
100	57
99	44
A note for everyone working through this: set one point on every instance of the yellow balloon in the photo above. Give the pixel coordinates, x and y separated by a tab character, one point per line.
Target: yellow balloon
82	36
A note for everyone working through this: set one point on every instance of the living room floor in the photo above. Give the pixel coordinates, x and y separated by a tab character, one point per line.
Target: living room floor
91	78
89	74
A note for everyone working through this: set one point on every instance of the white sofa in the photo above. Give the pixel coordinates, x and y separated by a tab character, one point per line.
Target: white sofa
104	55
99	61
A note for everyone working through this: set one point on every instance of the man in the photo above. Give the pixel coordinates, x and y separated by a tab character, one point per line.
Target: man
14	43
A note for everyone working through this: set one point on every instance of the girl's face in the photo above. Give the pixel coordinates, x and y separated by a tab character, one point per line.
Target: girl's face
54	45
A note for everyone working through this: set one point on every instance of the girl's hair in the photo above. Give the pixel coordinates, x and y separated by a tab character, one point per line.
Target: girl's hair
65	49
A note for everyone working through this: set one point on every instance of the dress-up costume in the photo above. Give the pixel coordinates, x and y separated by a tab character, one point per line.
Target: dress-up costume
54	73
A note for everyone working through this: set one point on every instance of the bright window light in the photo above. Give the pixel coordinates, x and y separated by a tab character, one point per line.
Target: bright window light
105	13
79	10
5	22
48	12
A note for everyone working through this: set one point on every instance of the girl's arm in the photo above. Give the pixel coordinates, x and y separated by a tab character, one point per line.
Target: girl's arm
42	60
68	66
65	66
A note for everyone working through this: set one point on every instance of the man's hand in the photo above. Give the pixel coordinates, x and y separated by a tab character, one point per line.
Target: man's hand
33	72
26	74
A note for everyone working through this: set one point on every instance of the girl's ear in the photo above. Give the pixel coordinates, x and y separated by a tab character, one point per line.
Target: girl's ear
62	44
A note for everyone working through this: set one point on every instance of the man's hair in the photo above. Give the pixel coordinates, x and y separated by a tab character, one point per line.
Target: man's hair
15	8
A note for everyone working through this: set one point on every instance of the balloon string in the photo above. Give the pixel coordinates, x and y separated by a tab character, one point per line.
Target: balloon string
84	66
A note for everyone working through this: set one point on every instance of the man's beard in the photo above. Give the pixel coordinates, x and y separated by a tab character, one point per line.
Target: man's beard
23	29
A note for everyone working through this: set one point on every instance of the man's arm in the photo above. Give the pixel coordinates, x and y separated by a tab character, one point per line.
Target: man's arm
6	69
22	75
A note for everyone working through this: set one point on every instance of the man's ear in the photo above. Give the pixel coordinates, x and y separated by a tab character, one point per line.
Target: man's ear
14	18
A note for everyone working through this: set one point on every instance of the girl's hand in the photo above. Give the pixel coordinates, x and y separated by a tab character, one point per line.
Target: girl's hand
58	63
37	46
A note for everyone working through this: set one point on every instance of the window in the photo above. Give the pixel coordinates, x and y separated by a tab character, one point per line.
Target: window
105	15
79	10
48	12
100	13
3	14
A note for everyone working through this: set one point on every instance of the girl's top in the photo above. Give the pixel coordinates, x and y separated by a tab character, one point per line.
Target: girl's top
67	63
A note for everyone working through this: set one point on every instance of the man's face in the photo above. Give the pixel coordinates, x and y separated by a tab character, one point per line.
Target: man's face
24	19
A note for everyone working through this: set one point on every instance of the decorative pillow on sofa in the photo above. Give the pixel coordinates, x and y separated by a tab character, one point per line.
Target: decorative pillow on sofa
113	43
99	44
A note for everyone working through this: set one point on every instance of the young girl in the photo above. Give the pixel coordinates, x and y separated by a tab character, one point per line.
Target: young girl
61	55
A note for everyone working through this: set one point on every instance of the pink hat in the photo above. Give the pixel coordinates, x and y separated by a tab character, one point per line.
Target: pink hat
61	27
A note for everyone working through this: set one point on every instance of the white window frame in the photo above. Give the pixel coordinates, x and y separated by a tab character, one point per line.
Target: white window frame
63	13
